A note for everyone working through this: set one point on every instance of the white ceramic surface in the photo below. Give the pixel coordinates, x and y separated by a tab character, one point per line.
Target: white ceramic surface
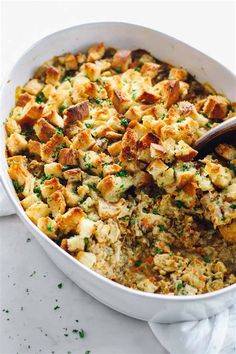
151	307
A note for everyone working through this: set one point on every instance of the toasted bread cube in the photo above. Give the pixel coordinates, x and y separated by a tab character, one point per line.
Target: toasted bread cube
50	186
86	227
68	157
134	113
81	58
121	60
50	149
73	175
148	96
44	130
157	151
30	114
91	70
230	192
71	62
52	75
33	87
16	143
83	140
53	169
156	168
18	169
34	147
48	226
115	148
229	232
113	187
170	90
178	74
184	152
121	101
228	152
12	126
111	169
54	118
108	210
69	221
73	118
150	70
23	99
56	202
28	201
71	197
96	52
216	107
90	161
219	175
37	210
87	258
75	243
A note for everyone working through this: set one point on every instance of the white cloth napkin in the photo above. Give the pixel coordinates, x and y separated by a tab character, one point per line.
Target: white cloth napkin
216	335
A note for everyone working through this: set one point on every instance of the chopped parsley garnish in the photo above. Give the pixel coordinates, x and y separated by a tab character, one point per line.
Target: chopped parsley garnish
67	78
40	98
181	119
233	206
133	220
75	331
45	178
98	100
232	167
159	251
37	191
56	307
34	272
155	211
137	68
92	186
89	166
59	285
49	228
208	124
138	263
179	286
124	122
81	333
59	131
17	187
86	241
185	167
63	108
179	204
122	186
119	69
162	228
121	174
87	352
163	116
206	259
88	125
66	167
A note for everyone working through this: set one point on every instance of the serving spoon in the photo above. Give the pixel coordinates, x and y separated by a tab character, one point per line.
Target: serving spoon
222	133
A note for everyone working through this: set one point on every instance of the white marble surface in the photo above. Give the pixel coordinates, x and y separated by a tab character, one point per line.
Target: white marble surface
32	325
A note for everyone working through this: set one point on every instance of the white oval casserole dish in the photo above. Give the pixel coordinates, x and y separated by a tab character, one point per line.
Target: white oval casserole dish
145	306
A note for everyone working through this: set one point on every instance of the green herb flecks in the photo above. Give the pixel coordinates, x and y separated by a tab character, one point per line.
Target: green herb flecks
138	263
121	174
40	98
124	122
17	186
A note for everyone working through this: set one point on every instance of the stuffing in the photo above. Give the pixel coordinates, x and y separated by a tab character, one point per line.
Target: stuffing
56	203
121	60
37	210
96	52
100	151
33	87
216	107
16	143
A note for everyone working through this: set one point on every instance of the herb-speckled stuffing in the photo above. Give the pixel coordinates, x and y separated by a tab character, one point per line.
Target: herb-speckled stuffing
100	154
